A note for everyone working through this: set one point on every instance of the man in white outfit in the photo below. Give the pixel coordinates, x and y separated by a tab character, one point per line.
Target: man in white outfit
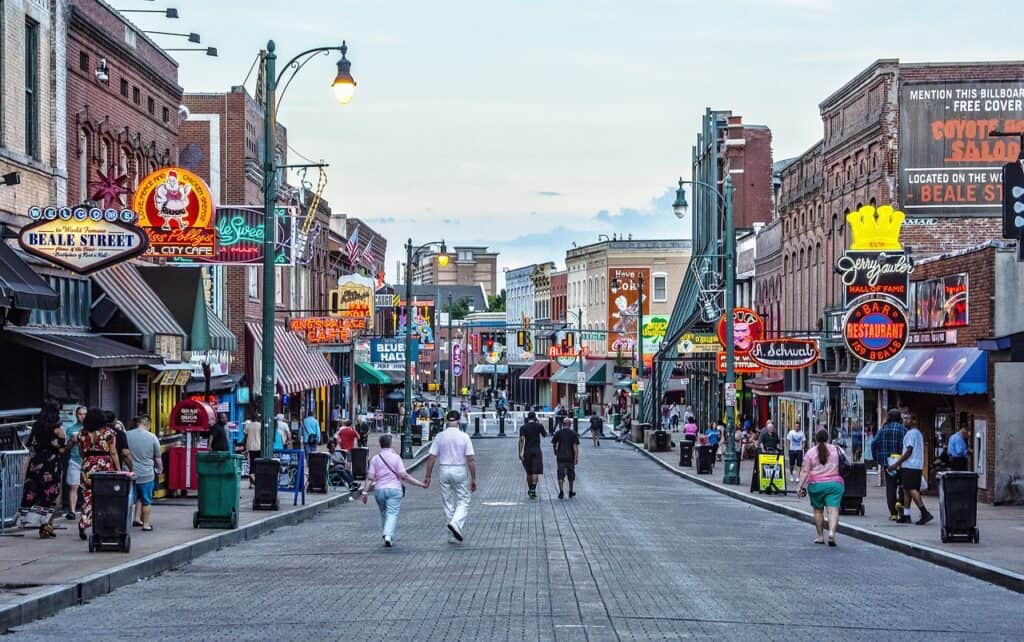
452	450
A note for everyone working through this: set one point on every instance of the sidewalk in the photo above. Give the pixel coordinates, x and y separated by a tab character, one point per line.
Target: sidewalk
1001	527
63	567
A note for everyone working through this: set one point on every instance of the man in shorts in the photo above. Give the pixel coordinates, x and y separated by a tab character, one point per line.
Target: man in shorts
147	464
911	466
567	454
530	452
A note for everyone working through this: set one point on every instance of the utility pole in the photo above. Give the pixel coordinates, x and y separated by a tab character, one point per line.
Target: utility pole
450	345
732	462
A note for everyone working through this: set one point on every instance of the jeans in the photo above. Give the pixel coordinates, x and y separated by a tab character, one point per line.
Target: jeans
455	494
389	501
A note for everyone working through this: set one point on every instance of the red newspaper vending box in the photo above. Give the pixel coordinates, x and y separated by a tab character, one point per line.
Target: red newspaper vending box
188	416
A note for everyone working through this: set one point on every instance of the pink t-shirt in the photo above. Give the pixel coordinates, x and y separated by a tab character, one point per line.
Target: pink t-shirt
818	472
690	428
380	474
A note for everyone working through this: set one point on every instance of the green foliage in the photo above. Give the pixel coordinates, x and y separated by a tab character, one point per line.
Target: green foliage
459	308
496	302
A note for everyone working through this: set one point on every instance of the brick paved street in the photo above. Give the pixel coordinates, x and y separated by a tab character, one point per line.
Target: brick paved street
638	555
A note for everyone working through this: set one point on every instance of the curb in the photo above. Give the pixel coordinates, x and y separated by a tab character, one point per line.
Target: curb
51	600
979	570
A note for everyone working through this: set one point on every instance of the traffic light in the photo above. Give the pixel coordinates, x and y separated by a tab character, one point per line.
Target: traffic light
490	344
521	338
1013	200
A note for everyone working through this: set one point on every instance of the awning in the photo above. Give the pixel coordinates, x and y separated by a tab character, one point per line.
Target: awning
83	348
219	383
20	286
767	384
181	290
365	373
594	373
295	368
137	301
539	371
221	338
941	371
488	368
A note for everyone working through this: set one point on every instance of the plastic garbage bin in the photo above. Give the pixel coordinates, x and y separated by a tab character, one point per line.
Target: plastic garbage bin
266	472
112	498
220	477
705	460
958	506
359	460
317	479
686	453
662	441
855	488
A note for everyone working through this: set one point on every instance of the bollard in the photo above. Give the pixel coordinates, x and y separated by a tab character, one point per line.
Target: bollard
576	424
501	426
476	426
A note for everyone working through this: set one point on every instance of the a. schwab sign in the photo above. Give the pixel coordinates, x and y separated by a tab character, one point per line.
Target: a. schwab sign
389	354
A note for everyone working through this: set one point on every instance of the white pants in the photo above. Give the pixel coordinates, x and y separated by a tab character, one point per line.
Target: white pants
455	494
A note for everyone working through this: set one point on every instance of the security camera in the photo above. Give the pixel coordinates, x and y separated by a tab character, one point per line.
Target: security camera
102	73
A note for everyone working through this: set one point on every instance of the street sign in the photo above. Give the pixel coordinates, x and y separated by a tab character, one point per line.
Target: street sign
730	395
457	359
685	381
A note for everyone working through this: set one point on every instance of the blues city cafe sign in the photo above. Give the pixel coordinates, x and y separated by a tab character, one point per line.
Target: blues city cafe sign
82	239
876	262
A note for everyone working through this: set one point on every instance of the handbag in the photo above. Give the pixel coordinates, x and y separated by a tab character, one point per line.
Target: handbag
383	461
844	463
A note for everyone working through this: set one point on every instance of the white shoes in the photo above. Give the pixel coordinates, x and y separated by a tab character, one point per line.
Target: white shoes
387	542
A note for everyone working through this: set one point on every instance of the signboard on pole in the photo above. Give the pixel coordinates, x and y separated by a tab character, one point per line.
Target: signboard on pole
730	395
456	358
177	211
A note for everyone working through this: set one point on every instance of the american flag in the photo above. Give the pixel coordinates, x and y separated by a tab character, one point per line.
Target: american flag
352	246
368	258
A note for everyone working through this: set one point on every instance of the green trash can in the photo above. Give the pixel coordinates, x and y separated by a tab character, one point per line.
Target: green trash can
616	420
220	487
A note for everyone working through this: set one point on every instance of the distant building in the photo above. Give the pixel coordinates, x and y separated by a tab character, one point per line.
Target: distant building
467	265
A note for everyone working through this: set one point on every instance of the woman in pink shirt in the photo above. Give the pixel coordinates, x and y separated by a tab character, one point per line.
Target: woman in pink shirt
384	476
690	430
821	481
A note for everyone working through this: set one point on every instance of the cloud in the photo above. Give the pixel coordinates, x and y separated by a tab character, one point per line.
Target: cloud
653	221
450	221
544	193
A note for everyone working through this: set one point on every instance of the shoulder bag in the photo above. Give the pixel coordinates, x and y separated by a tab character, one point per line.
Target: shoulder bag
844	463
397	476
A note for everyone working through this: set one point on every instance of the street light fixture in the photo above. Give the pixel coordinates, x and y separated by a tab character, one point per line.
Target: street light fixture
192	36
210	51
411	255
680	207
344	84
168	13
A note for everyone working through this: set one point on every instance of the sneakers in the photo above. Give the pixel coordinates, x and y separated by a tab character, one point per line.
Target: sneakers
70	516
455	531
532	494
925	518
387	542
572	493
561	495
904	519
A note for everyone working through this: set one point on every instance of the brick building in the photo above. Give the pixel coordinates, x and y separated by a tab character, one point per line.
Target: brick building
467	265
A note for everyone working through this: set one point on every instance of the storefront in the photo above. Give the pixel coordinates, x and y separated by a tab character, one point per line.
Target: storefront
535	381
595	378
765	390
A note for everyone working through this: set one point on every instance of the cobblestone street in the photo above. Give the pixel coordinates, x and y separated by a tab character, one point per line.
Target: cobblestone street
639	554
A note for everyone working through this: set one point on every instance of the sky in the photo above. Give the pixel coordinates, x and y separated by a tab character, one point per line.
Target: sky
529	125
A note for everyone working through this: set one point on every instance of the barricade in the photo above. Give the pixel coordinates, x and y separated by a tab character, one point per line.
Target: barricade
12	484
292	477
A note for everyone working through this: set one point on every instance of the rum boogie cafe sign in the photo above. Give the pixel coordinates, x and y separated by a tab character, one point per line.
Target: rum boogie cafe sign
785	354
82	239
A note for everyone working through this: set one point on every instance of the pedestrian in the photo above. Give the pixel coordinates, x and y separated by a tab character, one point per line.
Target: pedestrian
596	428
911	466
452	450
768	441
347	437
665	409
121	438
714	436
795	438
690	430
335	419
530	453
340	468
310	432
673	414
384	476
41	491
253	440
566	444
363	430
73	476
98	445
957	449
219	434
885	448
820	480
282	434
145	449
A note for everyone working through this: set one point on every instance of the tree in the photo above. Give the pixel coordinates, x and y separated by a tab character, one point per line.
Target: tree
459	308
496	302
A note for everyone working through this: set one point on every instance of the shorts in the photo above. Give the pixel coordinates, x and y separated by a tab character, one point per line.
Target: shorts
533	462
824	494
796	458
144	492
567	469
910	479
74	476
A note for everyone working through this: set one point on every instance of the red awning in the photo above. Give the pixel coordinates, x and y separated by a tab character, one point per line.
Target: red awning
295	368
767	384
539	370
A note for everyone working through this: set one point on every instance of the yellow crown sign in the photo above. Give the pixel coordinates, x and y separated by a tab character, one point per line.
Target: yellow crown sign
876	231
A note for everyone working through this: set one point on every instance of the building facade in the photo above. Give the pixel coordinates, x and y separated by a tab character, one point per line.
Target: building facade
467	265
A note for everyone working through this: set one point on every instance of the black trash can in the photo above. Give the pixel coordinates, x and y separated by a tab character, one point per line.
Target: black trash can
958	506
686	453
112	499
662	441
266	472
705	460
359	461
317	480
855	488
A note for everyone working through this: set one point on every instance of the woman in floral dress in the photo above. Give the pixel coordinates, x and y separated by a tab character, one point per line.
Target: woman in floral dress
98	445
42	478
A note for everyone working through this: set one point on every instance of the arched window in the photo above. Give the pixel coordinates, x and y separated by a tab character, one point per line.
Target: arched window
105	158
83	166
124	162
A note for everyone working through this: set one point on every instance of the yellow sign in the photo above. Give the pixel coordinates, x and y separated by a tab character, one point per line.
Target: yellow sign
353	298
176	210
771	473
876	230
698	342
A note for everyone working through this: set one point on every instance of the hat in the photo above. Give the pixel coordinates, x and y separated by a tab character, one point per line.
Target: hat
172	174
531	415
453	415
279	417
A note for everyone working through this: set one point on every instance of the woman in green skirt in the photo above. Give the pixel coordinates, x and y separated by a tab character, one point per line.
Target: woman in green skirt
820	480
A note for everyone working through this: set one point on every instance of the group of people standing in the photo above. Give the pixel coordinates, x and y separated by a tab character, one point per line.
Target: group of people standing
63	460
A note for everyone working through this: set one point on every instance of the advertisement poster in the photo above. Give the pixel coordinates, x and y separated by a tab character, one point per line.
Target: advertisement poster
422	322
771	473
624	307
948	162
177	211
940	303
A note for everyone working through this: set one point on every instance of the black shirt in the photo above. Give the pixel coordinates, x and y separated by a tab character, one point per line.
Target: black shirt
218	438
768	440
532	431
563	441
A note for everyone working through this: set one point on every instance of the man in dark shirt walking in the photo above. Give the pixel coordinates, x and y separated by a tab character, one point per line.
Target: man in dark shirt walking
887	443
567	453
219	434
530	453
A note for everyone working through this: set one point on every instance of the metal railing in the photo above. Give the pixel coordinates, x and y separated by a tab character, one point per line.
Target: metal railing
12	484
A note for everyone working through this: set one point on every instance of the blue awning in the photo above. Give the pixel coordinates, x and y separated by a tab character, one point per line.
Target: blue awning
940	371
487	368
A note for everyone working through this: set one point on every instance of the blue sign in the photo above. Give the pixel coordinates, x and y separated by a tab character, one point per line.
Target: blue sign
389	354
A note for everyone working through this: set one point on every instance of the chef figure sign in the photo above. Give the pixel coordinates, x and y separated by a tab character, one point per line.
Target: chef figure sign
171	199
176	210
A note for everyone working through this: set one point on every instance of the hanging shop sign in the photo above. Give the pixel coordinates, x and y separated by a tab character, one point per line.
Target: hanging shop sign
82	239
327	330
177	212
771	473
876	329
693	342
422	322
240	233
190	415
456	358
940	302
785	354
493	357
742	363
389	354
353	298
747	328
624	306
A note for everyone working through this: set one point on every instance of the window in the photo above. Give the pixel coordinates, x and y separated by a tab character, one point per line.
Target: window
254	282
136	96
32	88
124	87
660	287
130	37
150	105
83	166
83	61
104	155
165	115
